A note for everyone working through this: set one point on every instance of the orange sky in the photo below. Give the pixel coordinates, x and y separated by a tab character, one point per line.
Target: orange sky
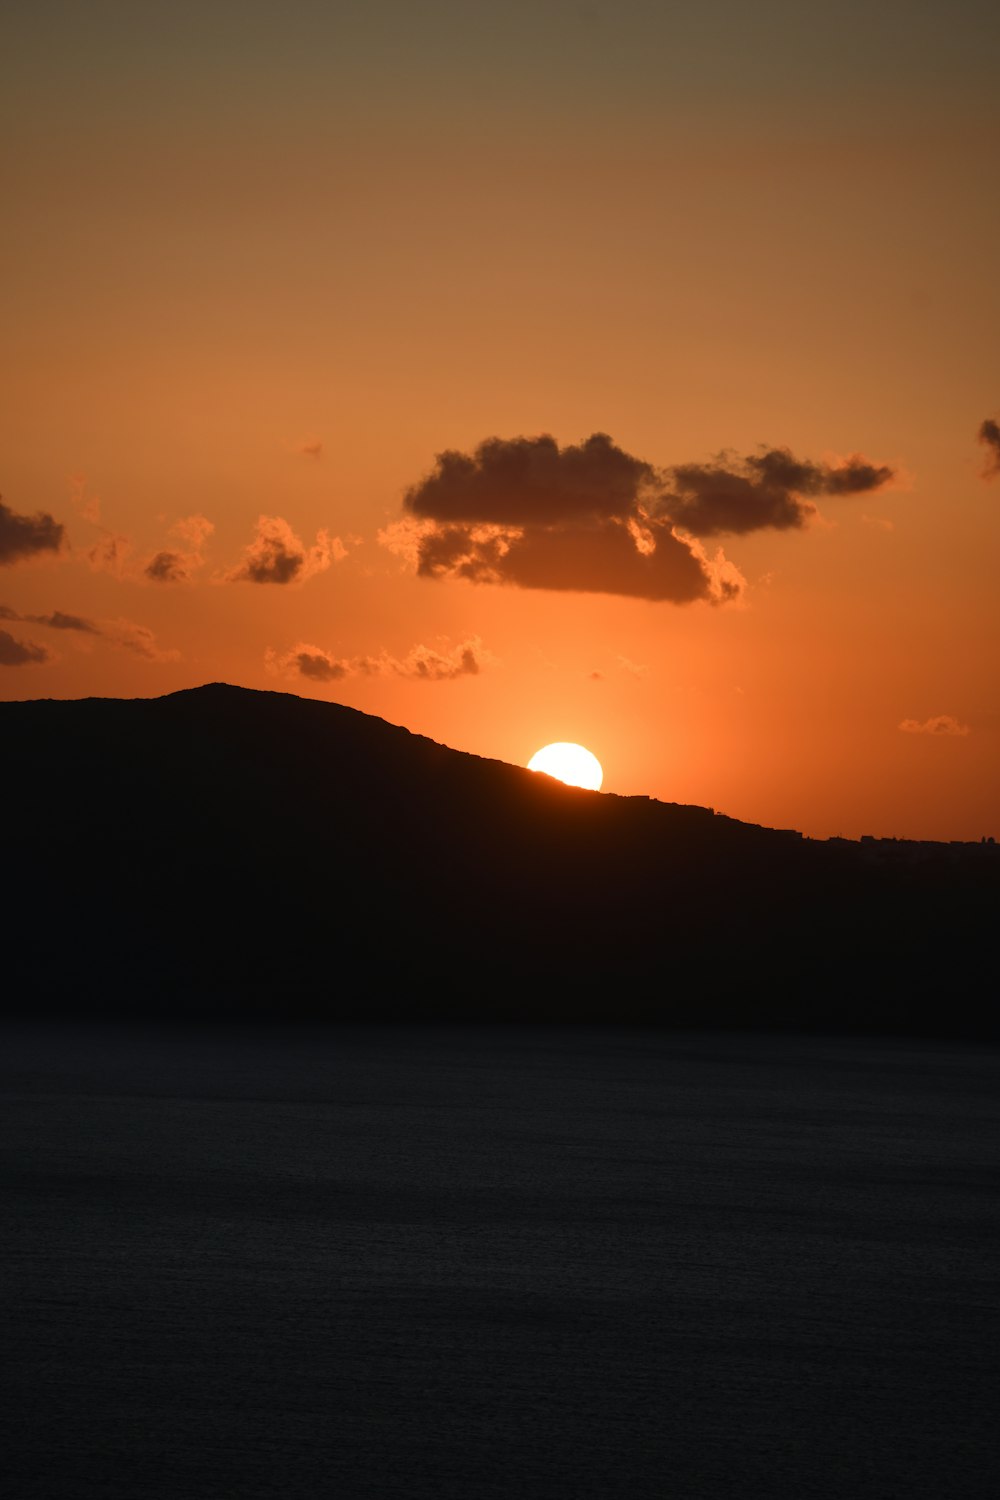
272	263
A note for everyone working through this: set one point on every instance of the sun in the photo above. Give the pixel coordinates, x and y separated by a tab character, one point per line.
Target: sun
570	763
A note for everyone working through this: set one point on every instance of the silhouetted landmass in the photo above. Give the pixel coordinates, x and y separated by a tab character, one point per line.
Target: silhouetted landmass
224	852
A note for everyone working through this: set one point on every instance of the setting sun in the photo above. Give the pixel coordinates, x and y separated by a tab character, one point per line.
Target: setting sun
569	763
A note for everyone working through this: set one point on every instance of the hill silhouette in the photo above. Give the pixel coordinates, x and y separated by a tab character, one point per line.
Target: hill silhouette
227	852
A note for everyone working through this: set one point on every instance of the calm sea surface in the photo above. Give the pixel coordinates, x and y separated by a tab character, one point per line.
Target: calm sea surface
464	1263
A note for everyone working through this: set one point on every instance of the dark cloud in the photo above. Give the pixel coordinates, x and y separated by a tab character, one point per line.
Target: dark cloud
59	621
423	663
316	664
55	621
989	436
167	567
14	653
599	558
595	519
855	477
277	555
769	489
531	481
26	536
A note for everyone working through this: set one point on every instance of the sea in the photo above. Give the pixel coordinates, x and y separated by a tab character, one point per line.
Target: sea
496	1262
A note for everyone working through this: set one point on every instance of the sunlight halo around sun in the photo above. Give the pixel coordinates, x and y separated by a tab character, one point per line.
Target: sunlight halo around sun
569	763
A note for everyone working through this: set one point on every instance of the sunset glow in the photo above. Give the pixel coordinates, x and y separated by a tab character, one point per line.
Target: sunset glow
591	374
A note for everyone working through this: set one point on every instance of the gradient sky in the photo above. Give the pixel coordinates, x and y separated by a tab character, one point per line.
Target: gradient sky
267	260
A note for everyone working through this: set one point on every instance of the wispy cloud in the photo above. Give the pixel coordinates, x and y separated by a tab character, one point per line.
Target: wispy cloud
15	653
633	668
422	663
136	638
939	724
120	632
57	620
111	553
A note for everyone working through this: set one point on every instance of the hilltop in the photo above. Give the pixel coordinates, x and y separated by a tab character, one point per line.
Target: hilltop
228	852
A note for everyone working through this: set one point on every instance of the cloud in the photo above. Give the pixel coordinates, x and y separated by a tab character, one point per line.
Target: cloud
167	567
622	664
423	663
89	506
405	537
989	436
59	621
137	638
55	621
110	554
120	632
435	666
27	536
532	481
596	558
179	565
592	518
113	552
276	555
765	490
633	668
194	530
14	653
309	661
940	724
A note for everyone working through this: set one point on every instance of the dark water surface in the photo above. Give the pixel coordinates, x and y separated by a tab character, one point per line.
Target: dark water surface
504	1262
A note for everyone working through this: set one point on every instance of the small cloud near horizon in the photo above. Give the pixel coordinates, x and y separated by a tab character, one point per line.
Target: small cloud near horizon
422	663
136	638
119	632
277	555
15	653
939	724
23	536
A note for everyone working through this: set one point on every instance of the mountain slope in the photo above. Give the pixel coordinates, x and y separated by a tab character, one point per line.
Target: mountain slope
222	851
